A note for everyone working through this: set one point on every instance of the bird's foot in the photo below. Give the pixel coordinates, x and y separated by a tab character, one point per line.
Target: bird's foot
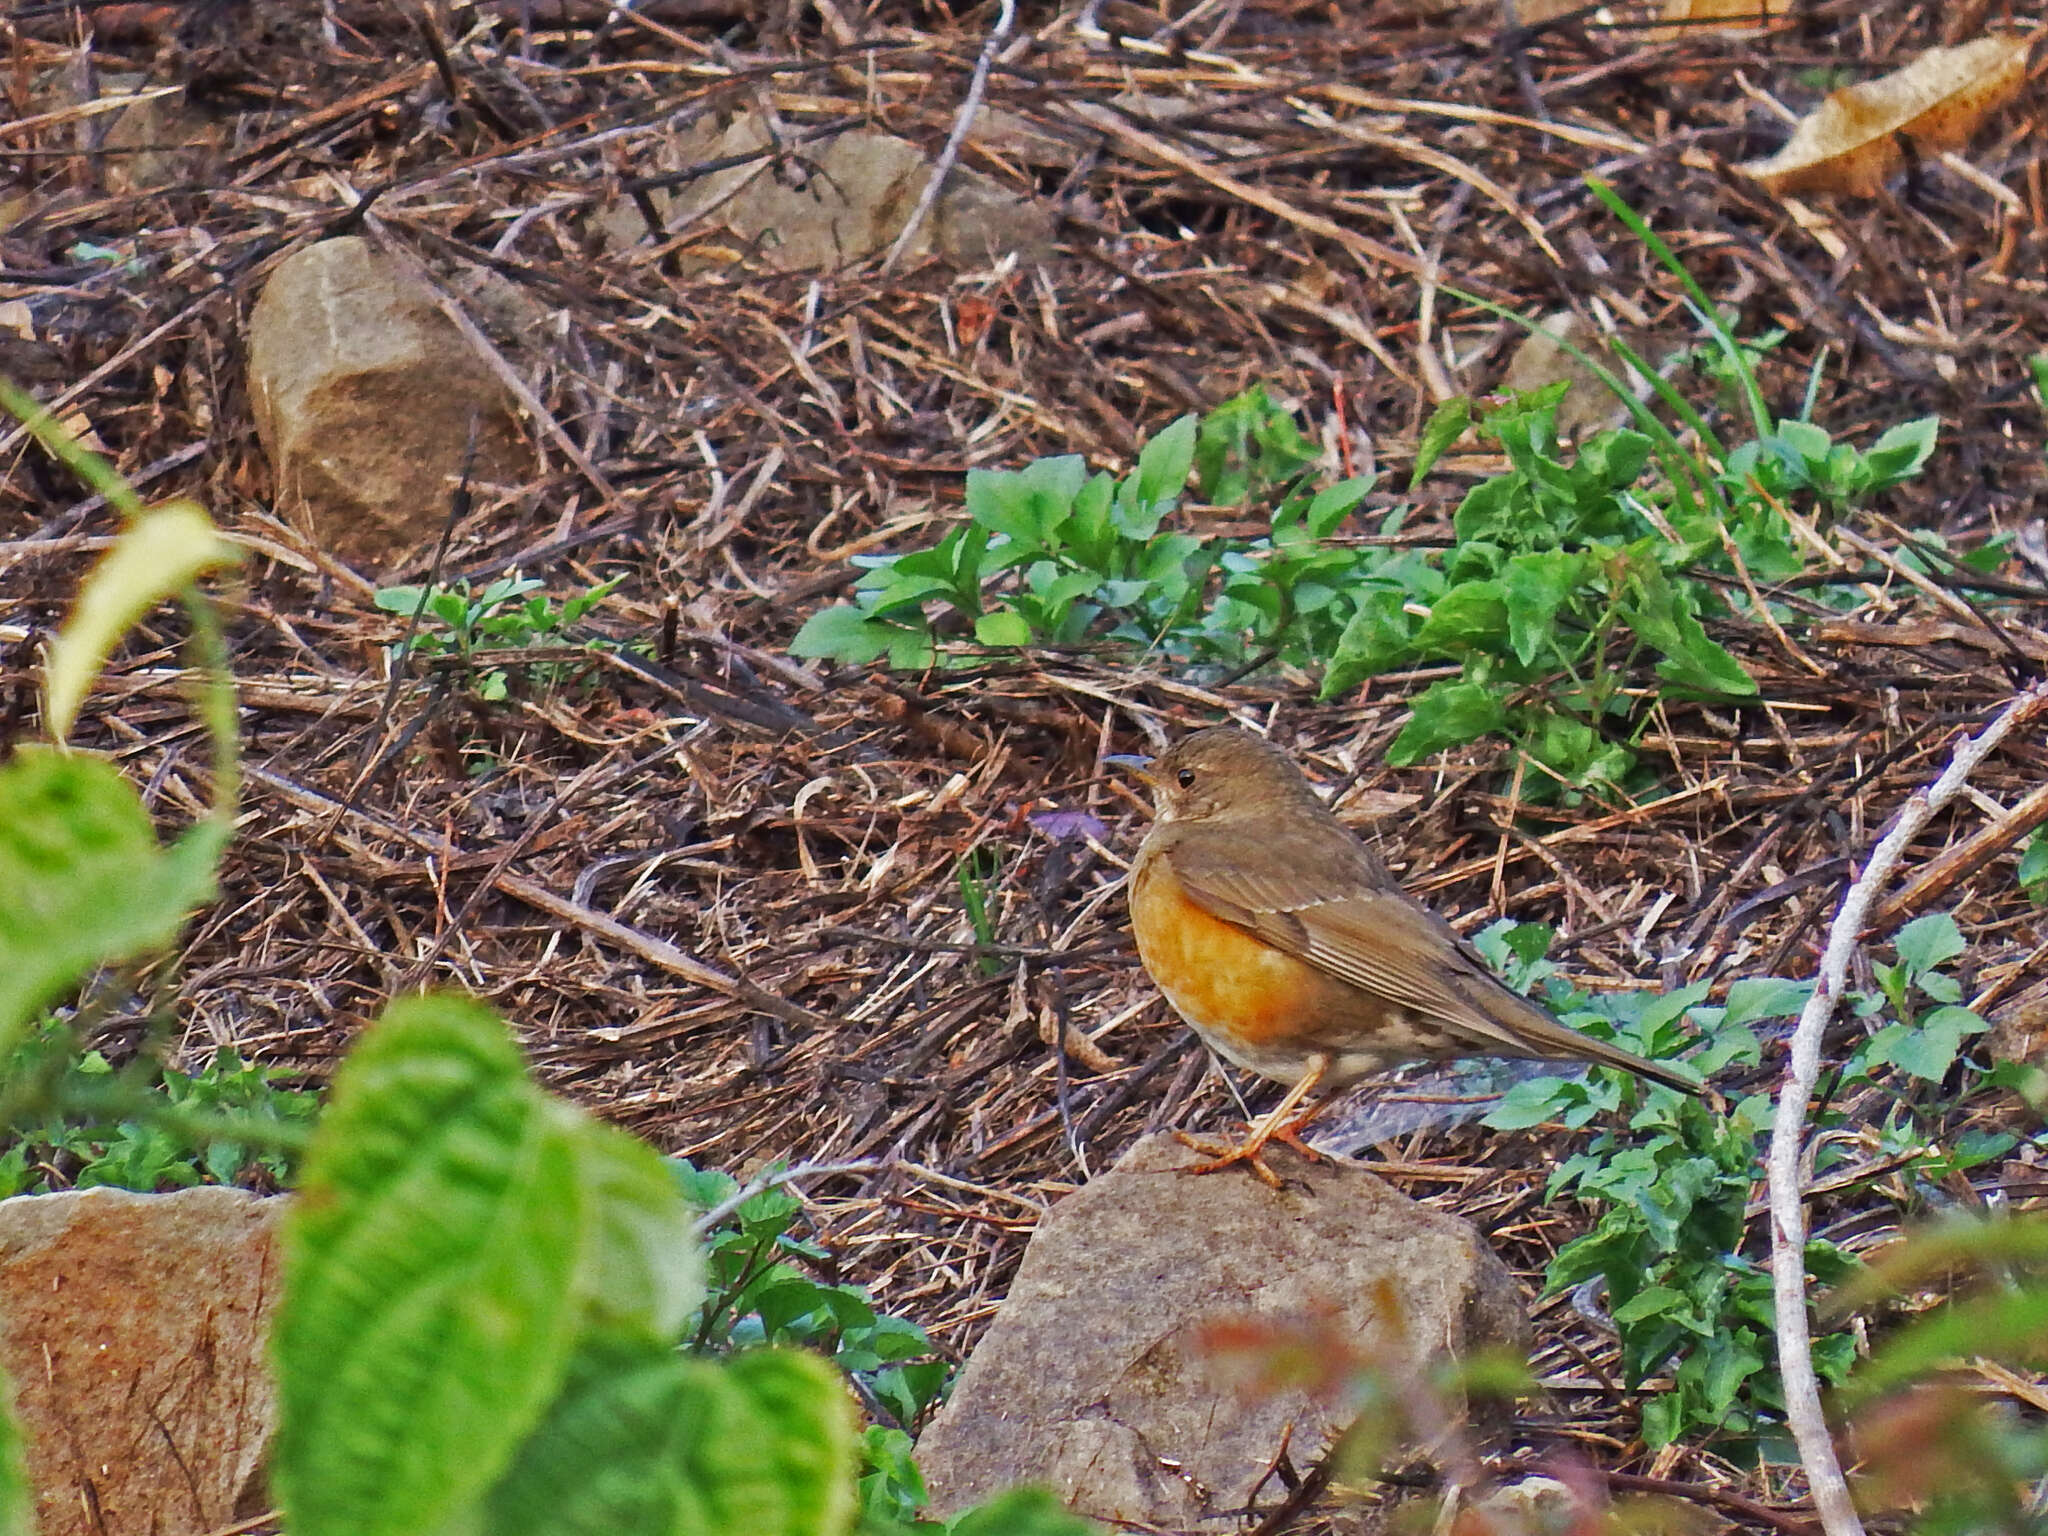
1250	1152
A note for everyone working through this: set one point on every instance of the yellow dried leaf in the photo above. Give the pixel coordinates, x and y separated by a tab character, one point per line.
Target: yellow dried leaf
152	558
1853	140
1726	15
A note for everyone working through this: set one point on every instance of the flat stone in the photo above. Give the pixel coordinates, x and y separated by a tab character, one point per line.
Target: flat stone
134	1330
363	393
839	201
1093	1378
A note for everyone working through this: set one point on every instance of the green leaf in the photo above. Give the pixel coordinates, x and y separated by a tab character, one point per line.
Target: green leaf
1164	462
1471	616
1535	587
158	554
843	633
1902	451
2007	1324
1021	1512
1376	639
82	880
1447	714
1929	941
17	1498
810	1449
646	1270
436	1261
1764	997
2033	871
645	1440
1928	1050
1446	424
1533	1101
1002	626
1331	505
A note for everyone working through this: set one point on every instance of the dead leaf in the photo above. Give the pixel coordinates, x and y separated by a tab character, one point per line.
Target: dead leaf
1852	141
1729	15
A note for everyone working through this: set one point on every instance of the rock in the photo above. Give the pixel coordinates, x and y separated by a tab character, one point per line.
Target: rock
1092	1380
134	1328
839	201
1588	406
363	393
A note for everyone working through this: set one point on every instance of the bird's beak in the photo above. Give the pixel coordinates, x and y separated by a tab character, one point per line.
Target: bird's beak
1134	763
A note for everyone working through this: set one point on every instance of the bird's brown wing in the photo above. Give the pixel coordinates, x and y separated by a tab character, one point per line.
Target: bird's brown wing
1339	910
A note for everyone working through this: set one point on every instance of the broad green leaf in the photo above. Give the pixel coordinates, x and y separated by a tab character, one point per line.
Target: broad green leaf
1164	462
435	1266
842	633
1331	505
1002	626
1616	459
1021	1512
1929	941
17	1498
2033	870
811	1446
2007	1324
1765	997
648	1441
153	557
1530	1102
1446	424
1447	714
1903	451
401	600
1536	586
646	1269
1376	639
82	880
1471	616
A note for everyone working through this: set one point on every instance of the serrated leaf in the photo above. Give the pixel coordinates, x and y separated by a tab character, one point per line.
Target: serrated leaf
153	557
434	1265
649	1441
646	1270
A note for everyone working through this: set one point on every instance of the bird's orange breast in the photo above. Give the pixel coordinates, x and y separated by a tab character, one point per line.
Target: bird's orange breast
1221	979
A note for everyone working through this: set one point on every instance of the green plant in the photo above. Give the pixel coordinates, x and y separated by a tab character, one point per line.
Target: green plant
146	1128
757	1293
1671	1182
511	613
2033	870
1051	555
484	1287
1567	573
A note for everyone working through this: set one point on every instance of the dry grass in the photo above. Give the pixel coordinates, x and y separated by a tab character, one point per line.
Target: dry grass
793	834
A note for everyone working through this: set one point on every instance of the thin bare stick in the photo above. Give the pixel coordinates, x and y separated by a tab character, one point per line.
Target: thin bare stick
943	167
1830	1490
776	1177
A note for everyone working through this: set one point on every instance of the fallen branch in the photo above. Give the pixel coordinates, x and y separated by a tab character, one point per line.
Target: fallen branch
1803	1413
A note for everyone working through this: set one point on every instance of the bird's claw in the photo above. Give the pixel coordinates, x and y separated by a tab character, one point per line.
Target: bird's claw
1250	1152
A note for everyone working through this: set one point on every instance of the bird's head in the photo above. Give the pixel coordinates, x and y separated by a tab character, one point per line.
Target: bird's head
1219	774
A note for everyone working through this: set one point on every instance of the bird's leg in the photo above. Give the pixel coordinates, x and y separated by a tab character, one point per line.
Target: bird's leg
1280	1124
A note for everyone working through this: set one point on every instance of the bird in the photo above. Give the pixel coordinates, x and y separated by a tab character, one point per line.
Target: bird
1285	944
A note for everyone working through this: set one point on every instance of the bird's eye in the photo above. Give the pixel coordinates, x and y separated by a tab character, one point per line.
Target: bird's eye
1186	778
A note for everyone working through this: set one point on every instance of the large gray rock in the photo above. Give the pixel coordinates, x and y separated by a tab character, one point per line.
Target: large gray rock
1092	1379
363	392
133	1328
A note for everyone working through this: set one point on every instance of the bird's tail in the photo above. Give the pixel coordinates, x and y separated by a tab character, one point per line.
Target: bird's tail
1547	1039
